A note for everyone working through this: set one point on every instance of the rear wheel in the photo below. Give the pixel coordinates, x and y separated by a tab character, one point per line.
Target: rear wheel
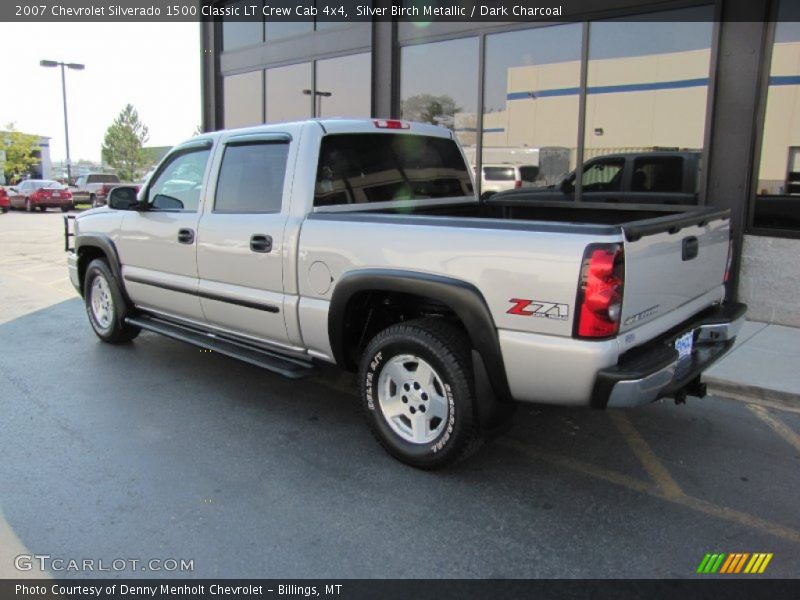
105	304
65	209
417	393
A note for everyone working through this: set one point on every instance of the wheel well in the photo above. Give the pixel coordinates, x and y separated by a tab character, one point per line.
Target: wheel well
371	311
87	254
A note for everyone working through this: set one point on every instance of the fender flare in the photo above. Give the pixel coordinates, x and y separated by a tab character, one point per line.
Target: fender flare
106	244
463	298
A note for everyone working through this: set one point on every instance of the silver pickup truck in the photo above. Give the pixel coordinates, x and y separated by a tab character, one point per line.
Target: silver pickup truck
362	243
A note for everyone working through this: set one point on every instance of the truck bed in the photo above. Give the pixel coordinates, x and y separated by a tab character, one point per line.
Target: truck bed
635	220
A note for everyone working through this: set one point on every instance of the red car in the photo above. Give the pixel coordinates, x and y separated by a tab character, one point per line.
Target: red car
5	201
42	194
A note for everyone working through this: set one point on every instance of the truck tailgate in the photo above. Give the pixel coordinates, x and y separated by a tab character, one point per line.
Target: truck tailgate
668	266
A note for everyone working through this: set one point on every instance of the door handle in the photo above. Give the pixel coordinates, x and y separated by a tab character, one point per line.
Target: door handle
186	236
261	243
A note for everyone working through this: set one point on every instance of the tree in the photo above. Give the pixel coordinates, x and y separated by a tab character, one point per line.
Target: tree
426	108
21	152
123	144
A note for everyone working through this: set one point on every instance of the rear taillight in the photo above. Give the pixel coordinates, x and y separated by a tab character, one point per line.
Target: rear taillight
599	303
391	124
517	184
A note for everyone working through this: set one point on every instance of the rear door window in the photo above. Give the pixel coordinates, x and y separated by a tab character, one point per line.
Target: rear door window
251	178
657	174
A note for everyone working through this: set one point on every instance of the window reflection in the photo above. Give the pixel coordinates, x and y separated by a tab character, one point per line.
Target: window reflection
289	93
242	99
777	205
531	105
343	86
276	30
439	84
238	34
647	91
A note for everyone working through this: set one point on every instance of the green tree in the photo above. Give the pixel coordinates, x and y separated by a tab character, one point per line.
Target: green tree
21	149
123	144
426	108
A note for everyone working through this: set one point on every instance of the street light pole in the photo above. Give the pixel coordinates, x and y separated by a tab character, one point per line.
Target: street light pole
78	67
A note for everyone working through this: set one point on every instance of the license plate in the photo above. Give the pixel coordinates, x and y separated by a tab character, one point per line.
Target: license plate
56	195
684	345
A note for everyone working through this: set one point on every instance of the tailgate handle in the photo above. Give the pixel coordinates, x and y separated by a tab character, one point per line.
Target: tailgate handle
691	246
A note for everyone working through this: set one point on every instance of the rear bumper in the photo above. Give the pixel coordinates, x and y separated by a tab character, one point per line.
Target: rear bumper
654	370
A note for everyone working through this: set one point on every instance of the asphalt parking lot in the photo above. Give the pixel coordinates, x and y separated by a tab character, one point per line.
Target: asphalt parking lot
158	450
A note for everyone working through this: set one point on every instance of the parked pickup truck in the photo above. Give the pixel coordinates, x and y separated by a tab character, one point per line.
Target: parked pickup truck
94	188
659	177
362	243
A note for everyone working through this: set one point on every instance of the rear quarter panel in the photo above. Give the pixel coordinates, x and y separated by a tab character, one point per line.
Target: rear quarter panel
504	264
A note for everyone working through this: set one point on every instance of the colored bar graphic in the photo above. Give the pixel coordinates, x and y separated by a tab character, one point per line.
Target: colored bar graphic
703	563
741	562
734	563
717	563
767	558
727	564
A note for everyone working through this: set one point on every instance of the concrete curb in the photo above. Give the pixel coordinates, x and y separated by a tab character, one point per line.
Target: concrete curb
753	394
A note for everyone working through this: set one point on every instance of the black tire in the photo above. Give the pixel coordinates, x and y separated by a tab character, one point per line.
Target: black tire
42	209
446	349
5	209
115	331
93	201
66	209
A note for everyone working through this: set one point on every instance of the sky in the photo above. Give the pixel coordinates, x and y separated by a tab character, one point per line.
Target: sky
154	66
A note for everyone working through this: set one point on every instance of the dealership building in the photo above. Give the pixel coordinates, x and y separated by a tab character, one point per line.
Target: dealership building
720	79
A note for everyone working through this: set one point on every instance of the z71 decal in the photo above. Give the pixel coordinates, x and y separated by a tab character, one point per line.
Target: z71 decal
538	308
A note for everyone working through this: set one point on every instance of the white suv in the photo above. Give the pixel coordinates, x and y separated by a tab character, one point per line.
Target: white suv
500	177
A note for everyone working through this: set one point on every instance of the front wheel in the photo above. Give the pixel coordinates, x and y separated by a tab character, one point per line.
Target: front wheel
417	393
105	304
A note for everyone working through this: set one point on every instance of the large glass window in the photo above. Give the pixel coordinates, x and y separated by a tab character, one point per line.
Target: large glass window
241	33
439	84
343	86
647	89
777	203
275	30
251	178
242	99
531	102
289	93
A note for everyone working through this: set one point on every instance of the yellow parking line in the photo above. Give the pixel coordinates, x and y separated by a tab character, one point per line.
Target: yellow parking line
646	456
696	504
665	489
777	426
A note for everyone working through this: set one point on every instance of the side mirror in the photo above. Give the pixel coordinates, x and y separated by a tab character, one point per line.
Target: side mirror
123	197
